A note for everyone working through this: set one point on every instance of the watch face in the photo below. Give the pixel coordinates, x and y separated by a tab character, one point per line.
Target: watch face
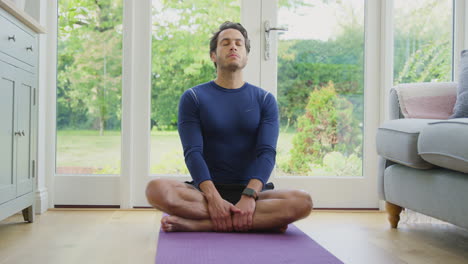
249	192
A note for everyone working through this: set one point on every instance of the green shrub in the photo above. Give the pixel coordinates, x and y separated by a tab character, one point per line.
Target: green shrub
337	164
326	126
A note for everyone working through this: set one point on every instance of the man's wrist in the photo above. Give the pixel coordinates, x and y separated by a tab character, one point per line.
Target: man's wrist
247	198
251	193
255	184
212	196
209	190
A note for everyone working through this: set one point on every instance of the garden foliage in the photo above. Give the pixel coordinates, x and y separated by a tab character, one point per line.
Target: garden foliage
326	126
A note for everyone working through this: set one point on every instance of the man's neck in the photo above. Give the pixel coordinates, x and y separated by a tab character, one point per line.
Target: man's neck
230	80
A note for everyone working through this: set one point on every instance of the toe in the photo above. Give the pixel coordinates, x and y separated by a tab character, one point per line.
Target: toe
283	229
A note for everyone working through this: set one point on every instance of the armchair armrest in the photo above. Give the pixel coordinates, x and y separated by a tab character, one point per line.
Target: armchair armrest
394	105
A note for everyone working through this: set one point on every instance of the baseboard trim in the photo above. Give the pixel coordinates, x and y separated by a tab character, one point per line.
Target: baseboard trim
41	200
345	209
85	206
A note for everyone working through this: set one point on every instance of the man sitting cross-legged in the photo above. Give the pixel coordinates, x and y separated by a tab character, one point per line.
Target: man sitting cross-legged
229	130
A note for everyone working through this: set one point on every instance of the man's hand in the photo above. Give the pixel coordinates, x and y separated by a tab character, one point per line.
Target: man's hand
219	209
220	213
243	221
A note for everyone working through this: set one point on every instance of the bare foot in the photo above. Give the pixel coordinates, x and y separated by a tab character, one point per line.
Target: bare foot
172	223
273	230
283	229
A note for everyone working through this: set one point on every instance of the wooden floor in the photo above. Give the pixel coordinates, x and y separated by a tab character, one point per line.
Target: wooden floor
130	236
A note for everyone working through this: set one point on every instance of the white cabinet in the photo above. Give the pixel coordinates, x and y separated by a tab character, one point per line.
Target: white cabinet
18	117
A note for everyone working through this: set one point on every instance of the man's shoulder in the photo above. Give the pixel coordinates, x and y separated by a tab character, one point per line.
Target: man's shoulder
254	87
200	87
257	89
261	93
196	91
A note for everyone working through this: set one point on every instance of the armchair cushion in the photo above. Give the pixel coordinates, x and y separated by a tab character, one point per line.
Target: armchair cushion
461	105
444	143
397	140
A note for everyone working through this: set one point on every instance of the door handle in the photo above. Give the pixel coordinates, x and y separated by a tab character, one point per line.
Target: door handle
20	133
268	28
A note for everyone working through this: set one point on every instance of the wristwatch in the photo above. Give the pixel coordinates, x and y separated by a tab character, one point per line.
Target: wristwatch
250	193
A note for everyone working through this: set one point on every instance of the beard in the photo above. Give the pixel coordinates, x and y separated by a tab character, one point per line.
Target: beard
233	66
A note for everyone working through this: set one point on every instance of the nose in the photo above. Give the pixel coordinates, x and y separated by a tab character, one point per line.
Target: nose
233	46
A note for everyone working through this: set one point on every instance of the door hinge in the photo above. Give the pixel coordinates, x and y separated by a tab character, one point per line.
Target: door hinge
34	96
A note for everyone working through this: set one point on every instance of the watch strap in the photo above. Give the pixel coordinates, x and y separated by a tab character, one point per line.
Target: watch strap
250	193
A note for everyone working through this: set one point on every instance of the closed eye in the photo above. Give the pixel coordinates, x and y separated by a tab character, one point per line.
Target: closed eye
227	42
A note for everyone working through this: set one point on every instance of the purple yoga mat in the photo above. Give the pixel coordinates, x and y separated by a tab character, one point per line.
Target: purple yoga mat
292	247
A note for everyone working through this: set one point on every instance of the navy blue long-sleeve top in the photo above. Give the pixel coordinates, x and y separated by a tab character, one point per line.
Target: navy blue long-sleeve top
228	135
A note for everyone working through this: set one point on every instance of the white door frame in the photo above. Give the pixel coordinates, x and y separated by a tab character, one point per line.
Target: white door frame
126	190
335	192
104	190
136	90
136	100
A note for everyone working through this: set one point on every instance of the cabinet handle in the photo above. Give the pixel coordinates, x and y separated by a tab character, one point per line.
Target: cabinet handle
29	48
33	168
22	133
12	38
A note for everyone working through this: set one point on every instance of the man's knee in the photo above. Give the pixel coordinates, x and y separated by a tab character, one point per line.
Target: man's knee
155	192
303	204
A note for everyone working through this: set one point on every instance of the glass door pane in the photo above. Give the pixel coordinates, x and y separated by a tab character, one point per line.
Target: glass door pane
423	41
321	88
180	48
89	70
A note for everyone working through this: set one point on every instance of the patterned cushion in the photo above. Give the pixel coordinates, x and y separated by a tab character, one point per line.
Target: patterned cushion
427	100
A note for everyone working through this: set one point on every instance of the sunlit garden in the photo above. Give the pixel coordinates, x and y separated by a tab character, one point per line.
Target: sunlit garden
320	89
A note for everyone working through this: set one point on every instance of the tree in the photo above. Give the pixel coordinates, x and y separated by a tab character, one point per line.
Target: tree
181	32
430	62
308	64
90	48
326	126
96	76
423	41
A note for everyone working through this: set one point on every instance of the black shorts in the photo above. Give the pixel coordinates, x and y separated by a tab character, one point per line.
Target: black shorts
232	192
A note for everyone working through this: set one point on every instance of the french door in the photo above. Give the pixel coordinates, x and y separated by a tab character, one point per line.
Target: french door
319	60
297	66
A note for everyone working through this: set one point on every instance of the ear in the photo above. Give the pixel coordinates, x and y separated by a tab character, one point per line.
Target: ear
213	56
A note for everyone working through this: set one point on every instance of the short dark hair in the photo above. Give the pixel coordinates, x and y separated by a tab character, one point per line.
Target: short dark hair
228	25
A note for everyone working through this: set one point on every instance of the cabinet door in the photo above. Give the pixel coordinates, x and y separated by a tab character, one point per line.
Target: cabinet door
23	107
7	91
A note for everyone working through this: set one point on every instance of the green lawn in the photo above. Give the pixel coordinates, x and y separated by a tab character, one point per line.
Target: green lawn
79	150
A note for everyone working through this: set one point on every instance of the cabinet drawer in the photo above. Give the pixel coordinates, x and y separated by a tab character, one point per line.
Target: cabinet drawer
17	43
